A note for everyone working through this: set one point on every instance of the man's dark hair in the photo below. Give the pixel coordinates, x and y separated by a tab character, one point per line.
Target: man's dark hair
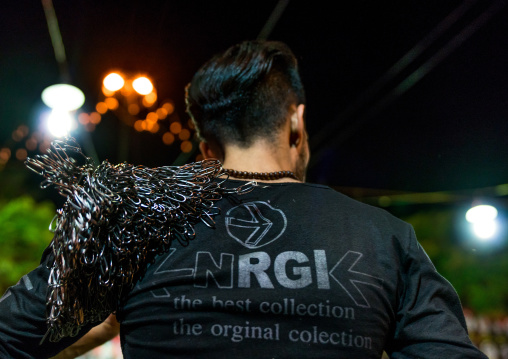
245	93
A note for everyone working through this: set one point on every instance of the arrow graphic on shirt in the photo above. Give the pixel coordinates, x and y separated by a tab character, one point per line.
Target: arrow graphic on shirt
351	280
255	224
166	269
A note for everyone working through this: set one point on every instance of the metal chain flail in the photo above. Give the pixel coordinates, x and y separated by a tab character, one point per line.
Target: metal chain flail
115	221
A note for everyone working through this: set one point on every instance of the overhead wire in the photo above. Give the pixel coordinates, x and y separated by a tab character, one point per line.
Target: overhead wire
329	137
407	59
56	39
61	59
273	19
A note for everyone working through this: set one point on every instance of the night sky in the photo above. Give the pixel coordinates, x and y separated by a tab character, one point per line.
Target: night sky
437	122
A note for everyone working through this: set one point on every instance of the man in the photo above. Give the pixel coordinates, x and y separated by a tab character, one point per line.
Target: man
291	269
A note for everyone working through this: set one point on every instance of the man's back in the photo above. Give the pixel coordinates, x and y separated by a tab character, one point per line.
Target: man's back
295	270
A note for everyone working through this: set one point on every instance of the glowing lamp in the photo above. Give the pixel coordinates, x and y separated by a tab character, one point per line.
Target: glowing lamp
142	85
481	213
63	97
113	82
483	219
60	123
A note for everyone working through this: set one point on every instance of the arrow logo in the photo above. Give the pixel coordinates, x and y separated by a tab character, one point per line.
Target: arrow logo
255	224
349	279
166	269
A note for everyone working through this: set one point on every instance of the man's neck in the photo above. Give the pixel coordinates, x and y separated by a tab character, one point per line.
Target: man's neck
260	157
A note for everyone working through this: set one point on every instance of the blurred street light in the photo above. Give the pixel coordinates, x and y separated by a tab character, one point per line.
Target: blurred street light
63	97
113	82
142	85
483	219
134	101
60	122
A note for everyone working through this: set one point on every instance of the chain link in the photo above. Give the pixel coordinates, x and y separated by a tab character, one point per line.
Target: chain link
115	221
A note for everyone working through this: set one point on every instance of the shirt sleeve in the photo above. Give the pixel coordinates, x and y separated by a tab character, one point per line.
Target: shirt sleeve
23	317
430	321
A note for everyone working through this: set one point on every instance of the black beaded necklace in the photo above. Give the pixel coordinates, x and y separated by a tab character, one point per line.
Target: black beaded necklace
264	176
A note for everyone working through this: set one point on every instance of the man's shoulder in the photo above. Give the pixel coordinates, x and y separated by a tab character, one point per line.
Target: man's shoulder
333	199
336	195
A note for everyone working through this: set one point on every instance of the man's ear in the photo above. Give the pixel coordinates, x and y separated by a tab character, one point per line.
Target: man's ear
208	151
297	126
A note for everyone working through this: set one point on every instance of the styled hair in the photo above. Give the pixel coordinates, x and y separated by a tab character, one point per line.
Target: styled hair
244	93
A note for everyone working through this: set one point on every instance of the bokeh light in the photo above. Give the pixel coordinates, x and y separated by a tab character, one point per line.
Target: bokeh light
113	82
142	85
111	102
483	220
152	117
175	127
101	107
169	107
150	99
84	118
44	145
16	136
184	134
133	109
162	113
21	154
95	118
186	146
481	213
168	138
31	144
5	154
139	125
485	230
106	92
63	97
59	123
153	127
